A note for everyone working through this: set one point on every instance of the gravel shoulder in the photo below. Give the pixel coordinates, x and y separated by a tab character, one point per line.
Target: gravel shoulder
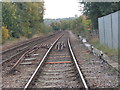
97	73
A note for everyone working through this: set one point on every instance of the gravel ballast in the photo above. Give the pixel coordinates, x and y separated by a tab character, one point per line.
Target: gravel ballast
97	73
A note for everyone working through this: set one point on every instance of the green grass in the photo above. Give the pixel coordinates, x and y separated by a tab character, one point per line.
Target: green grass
104	48
113	70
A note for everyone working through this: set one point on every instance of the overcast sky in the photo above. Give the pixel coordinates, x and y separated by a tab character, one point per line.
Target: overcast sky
61	8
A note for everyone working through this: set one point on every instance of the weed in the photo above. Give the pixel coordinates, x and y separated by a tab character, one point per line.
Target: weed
109	51
113	70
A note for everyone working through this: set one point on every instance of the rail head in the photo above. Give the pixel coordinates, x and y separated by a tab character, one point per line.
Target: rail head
26	42
77	66
40	64
11	57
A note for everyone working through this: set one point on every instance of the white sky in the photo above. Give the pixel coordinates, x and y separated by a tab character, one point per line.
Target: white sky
61	8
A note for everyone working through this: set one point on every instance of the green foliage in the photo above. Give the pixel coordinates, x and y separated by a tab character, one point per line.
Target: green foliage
55	25
23	19
9	17
44	29
72	25
47	29
104	48
94	10
79	25
65	24
5	33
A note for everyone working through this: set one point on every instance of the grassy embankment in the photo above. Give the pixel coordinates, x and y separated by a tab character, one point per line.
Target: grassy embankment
12	41
94	40
110	52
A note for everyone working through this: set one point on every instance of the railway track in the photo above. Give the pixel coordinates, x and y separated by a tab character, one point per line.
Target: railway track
97	73
58	68
10	53
12	63
17	51
52	64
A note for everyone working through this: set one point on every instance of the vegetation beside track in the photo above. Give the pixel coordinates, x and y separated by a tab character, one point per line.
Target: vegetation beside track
109	51
26	20
22	20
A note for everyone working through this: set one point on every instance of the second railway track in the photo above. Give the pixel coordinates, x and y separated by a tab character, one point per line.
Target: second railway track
58	68
18	50
10	62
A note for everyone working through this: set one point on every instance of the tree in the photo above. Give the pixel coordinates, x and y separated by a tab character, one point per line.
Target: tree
10	19
94	10
5	33
55	25
23	19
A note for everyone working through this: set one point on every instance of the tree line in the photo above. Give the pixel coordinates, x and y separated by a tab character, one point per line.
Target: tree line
80	25
94	10
22	19
26	18
88	22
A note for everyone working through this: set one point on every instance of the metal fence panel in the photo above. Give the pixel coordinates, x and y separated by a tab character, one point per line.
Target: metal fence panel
109	30
101	30
118	30
115	29
106	20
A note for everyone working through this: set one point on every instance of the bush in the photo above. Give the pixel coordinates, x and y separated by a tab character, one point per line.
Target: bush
5	33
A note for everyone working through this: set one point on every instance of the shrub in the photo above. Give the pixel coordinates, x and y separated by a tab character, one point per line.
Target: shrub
5	33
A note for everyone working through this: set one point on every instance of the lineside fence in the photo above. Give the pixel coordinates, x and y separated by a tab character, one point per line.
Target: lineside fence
109	29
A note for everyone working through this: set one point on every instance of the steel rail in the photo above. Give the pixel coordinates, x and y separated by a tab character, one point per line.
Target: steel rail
20	59
18	62
20	45
26	42
36	39
76	64
19	53
40	64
